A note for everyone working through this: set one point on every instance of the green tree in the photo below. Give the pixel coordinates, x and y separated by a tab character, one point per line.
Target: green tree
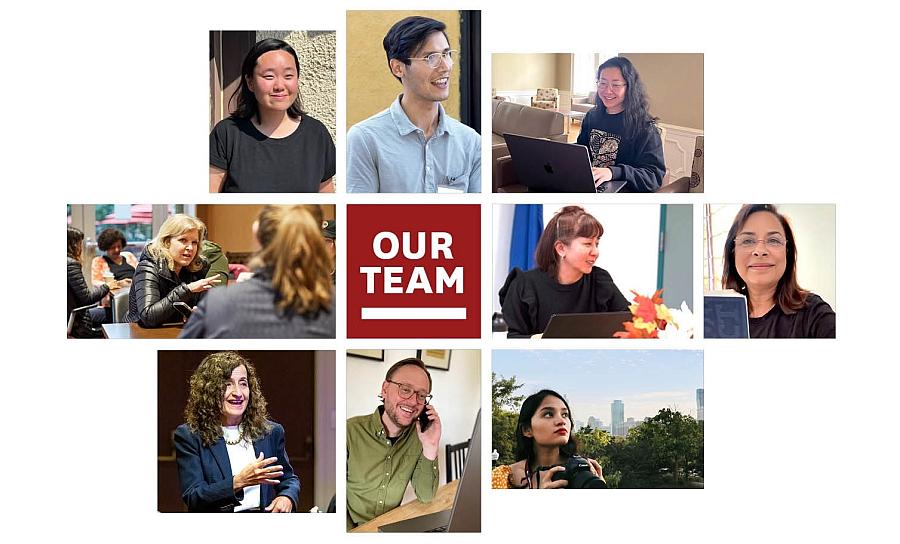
670	441
504	416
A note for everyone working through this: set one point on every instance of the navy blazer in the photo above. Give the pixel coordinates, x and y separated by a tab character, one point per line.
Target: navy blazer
206	478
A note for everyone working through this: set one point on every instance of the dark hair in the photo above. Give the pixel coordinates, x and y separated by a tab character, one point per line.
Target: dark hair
524	444
109	237
74	238
788	294
637	109
247	107
406	36
569	223
413	361
203	412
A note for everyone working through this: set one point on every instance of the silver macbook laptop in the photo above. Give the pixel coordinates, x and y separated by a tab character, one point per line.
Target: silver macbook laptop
725	315
465	516
595	325
554	167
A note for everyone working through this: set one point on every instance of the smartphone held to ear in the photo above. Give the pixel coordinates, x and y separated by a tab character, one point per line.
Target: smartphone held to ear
424	422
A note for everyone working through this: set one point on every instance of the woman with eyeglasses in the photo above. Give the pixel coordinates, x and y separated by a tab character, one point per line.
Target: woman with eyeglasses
269	144
761	263
619	132
546	452
565	280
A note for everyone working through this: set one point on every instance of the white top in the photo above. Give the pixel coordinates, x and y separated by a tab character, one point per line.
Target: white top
239	455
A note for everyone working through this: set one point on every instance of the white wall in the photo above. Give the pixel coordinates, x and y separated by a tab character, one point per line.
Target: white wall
628	248
457	392
814	231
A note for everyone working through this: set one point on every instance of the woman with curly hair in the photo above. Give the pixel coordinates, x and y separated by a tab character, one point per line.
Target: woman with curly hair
290	294
619	132
230	457
116	263
171	270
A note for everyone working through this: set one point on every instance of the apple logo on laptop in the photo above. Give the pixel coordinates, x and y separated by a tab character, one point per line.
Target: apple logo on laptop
548	168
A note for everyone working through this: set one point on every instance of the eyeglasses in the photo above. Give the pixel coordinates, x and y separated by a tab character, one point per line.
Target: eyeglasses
603	85
406	392
434	59
749	243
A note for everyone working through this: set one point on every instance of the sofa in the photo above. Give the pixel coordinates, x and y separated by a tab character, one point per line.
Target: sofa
508	117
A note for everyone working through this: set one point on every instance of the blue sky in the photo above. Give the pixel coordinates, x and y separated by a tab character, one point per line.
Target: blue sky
645	380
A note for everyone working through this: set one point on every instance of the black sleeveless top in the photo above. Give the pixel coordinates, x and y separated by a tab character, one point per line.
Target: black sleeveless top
122	271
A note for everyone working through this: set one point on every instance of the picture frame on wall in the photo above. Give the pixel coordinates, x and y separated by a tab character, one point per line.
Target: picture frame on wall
373	354
435	358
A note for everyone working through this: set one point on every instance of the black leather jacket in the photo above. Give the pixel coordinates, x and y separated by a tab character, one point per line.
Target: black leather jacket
78	293
155	288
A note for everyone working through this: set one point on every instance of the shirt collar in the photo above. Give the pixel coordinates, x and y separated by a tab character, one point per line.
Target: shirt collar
405	126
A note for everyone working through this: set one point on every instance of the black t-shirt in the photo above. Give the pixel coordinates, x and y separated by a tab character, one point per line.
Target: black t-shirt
815	320
255	163
530	298
122	271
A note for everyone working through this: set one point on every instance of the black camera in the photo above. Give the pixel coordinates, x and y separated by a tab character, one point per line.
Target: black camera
578	473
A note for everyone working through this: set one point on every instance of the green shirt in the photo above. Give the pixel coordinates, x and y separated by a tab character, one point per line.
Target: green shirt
377	472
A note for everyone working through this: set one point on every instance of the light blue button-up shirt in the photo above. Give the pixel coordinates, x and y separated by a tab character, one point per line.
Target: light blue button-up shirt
387	153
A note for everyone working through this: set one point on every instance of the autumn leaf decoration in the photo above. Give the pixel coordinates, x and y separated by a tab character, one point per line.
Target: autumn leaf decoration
650	317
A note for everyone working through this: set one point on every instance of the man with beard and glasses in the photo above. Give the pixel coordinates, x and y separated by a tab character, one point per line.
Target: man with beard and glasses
387	449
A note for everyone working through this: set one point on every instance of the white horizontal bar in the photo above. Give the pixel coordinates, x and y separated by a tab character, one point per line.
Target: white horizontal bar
413	313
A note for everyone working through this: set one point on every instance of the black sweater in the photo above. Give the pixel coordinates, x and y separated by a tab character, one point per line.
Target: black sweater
530	298
637	160
815	320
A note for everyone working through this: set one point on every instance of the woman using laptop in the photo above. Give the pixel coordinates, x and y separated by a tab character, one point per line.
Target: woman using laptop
565	280
761	263
546	452
619	132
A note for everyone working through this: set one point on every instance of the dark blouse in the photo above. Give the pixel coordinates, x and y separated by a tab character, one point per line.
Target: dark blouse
816	320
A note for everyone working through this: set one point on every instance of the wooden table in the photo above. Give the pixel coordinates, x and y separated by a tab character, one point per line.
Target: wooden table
133	330
443	500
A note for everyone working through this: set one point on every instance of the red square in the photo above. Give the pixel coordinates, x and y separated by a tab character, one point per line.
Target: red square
413	271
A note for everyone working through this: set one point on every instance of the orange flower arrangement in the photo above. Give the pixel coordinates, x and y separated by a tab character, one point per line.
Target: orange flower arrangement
650	317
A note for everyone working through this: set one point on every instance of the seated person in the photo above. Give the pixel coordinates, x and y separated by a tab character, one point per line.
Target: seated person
565	281
413	146
761	263
78	293
170	270
290	294
544	443
119	263
620	133
392	437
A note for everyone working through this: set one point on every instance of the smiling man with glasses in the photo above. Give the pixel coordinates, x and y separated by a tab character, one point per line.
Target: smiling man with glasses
388	449
413	146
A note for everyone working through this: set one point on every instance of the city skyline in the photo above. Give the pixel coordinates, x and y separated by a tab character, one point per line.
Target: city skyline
646	381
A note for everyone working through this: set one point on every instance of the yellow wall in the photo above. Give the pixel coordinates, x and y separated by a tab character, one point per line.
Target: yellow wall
229	225
515	72
674	82
370	86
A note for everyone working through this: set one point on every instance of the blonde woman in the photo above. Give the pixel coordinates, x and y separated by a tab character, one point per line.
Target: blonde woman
290	294
170	271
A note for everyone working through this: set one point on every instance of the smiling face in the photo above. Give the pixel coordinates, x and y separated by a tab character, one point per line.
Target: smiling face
183	248
237	396
761	266
611	88
420	81
403	412
274	81
550	424
578	255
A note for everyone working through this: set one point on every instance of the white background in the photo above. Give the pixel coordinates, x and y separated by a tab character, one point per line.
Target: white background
109	103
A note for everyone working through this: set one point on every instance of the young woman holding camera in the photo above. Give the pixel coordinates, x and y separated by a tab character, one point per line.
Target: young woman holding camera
545	449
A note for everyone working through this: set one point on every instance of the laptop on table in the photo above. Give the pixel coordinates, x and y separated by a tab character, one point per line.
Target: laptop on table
556	167
465	516
593	325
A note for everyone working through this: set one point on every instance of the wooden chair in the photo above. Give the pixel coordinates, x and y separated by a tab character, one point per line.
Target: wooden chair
455	456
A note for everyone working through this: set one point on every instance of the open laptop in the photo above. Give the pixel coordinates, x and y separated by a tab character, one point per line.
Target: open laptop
725	315
594	325
465	516
555	167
